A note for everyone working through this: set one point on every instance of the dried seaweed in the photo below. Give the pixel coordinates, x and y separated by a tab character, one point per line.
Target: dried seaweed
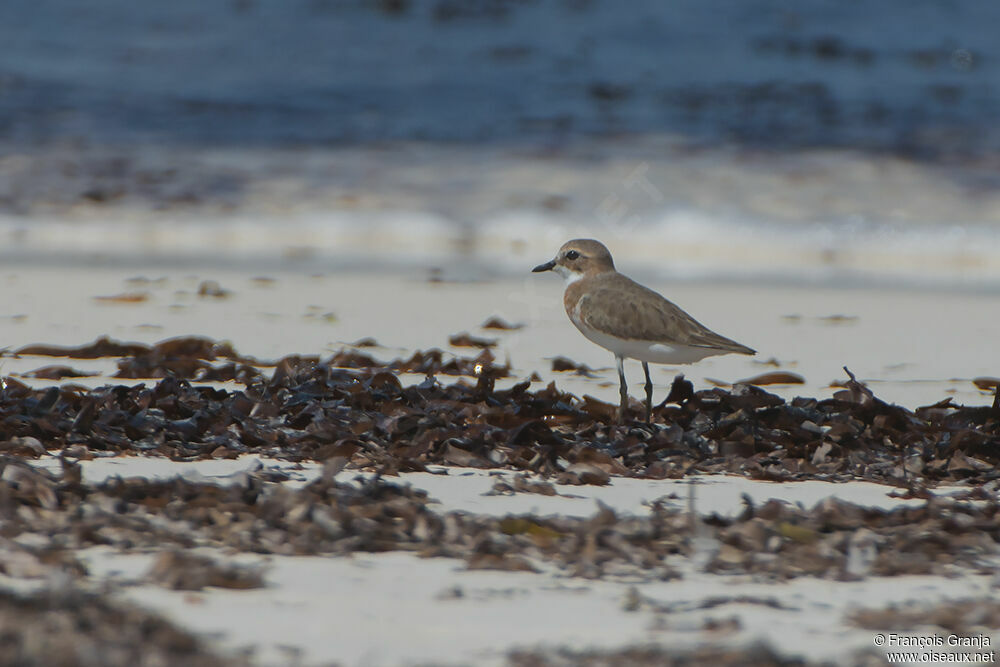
252	513
90	630
657	656
309	409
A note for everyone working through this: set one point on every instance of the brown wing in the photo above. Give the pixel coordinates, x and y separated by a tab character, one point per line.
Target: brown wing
623	308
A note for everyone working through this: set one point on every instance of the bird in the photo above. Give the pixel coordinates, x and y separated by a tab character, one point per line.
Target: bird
629	319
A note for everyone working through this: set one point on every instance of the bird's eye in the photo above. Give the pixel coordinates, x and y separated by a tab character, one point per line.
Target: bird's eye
572	254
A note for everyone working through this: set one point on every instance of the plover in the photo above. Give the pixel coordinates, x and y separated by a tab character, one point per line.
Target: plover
628	319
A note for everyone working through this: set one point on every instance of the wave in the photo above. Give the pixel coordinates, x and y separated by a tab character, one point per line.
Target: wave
675	244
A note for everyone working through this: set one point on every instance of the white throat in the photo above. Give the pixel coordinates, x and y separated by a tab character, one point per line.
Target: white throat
569	276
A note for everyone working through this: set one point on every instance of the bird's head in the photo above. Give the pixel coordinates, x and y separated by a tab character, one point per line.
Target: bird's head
579	258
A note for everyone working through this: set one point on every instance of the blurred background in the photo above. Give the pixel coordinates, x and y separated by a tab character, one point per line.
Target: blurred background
830	142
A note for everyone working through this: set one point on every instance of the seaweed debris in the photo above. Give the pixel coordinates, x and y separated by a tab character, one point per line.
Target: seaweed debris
356	406
253	513
92	630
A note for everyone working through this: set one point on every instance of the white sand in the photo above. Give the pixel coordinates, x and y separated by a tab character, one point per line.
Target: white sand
453	489
397	609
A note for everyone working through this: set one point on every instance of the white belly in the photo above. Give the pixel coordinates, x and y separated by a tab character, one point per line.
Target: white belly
657	353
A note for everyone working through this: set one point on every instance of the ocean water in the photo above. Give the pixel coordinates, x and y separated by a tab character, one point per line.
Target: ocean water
915	75
827	142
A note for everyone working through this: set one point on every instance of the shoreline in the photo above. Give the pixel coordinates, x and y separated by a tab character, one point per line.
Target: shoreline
821	217
807	331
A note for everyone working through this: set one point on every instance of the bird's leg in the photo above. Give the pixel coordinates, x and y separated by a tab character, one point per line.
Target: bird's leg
649	393
622	389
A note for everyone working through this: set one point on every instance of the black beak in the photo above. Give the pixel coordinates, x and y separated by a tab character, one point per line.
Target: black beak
547	266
